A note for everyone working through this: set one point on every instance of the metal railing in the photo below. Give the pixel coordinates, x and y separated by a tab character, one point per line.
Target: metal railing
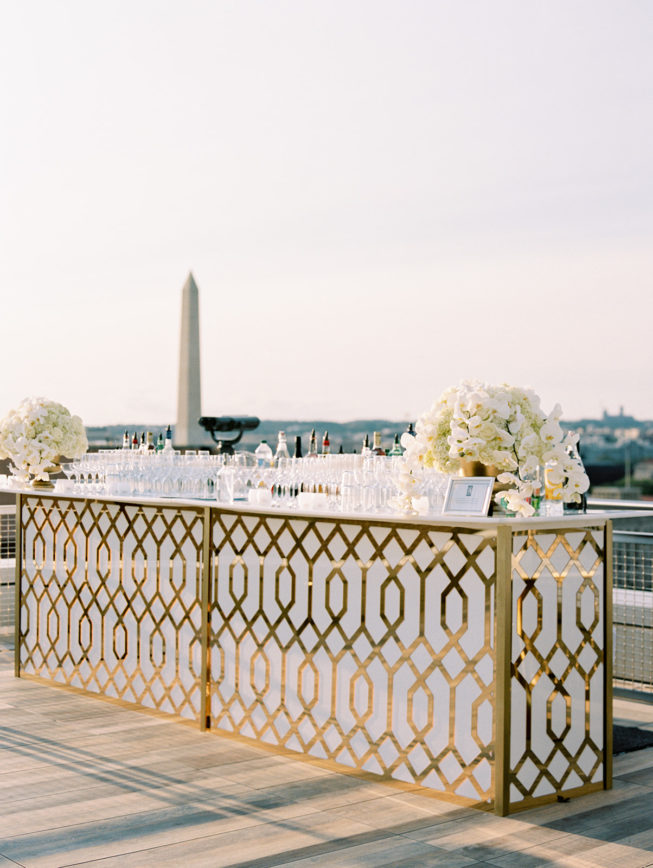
7	575
633	610
632	597
7	532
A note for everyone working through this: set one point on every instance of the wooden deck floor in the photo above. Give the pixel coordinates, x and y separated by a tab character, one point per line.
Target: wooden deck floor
83	782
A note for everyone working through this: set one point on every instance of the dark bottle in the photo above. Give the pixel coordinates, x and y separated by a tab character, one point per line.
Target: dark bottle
341	451
410	430
326	444
312	446
298	446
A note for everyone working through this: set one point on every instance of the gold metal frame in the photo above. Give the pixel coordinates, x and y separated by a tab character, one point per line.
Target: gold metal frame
111	599
380	648
18	584
290	594
561	574
608	655
503	670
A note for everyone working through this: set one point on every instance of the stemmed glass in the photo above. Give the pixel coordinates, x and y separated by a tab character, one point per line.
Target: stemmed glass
69	470
78	473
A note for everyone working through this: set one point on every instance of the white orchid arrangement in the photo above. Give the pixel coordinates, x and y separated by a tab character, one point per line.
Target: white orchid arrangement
36	433
503	427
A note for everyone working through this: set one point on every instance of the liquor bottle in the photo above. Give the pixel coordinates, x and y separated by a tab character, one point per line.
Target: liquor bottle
535	477
263	454
365	451
312	446
159	442
142	447
411	430
126	442
167	447
553	481
377	449
326	444
298	446
135	441
396	447
341	451
149	442
282	448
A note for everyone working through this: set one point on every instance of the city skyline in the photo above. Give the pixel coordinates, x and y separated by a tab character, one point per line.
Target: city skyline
376	202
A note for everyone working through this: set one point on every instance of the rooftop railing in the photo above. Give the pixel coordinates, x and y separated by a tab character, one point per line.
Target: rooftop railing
7	573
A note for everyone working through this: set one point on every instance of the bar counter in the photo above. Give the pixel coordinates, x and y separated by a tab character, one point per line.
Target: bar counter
471	657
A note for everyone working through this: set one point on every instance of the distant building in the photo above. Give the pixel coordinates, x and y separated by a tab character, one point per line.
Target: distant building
616	492
620	421
643	471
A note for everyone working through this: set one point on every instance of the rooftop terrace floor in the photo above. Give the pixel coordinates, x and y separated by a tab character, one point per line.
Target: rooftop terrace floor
88	782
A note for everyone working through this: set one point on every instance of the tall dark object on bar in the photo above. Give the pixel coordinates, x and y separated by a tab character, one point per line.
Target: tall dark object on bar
215	425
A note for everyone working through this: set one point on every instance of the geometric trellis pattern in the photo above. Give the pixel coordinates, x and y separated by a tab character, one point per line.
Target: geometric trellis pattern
369	644
111	599
557	673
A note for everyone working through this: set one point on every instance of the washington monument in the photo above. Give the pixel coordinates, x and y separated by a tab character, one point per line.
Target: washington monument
189	395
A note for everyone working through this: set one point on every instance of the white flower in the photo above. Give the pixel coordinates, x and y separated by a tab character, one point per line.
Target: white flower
502	426
551	432
554	475
530	464
37	432
514	426
516	501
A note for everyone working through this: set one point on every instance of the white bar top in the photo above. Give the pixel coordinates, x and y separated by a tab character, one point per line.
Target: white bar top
593	518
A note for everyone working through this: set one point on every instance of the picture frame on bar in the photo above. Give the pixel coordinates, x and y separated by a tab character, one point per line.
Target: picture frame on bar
468	495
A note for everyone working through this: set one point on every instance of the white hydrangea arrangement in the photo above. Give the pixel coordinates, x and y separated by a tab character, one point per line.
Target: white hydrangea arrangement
35	434
504	428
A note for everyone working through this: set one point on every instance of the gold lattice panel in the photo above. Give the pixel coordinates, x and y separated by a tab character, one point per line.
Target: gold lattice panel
367	644
557	673
111	600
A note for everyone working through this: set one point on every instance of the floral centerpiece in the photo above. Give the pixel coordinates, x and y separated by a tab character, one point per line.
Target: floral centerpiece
504	428
35	434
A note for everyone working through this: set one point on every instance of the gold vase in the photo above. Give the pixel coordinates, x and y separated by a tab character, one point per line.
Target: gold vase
43	484
477	468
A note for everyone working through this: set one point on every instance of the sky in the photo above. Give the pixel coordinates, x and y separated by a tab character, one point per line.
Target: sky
377	199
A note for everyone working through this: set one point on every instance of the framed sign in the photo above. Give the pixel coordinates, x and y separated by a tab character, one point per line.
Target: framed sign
468	495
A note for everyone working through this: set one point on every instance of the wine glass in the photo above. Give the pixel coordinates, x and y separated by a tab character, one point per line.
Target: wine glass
69	470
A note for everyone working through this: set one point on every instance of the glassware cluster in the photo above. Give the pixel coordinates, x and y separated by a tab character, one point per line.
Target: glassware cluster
348	483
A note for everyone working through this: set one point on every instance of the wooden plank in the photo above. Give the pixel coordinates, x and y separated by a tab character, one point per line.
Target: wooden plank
82	779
